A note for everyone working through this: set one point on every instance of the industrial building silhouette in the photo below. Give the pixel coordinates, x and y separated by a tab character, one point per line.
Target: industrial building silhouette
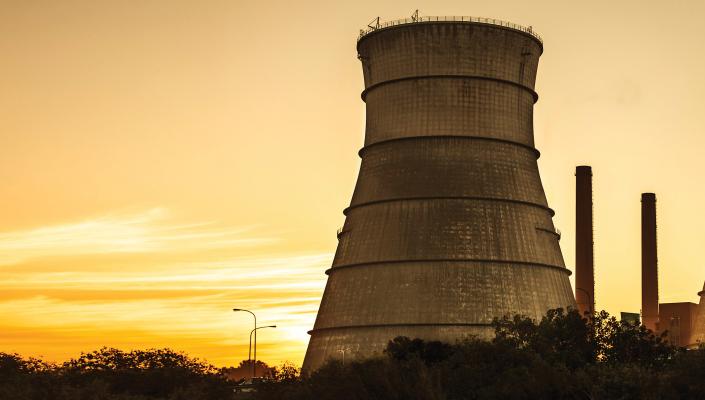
448	226
698	334
683	323
679	321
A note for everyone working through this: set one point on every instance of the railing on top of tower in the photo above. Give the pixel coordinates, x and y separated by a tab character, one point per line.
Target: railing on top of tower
376	25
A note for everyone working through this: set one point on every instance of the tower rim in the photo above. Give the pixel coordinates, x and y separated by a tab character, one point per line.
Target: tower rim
446	19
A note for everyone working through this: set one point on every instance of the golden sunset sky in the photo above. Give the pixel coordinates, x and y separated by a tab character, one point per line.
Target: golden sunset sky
165	161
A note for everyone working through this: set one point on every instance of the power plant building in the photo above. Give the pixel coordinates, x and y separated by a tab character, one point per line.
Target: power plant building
698	334
448	226
678	320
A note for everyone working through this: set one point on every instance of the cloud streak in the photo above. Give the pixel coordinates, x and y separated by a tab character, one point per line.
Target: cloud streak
142	280
144	232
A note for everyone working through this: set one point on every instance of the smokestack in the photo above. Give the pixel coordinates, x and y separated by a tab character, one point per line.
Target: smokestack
584	264
649	262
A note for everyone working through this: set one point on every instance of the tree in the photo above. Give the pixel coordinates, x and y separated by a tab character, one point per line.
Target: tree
560	336
403	348
629	343
112	374
561	356
244	370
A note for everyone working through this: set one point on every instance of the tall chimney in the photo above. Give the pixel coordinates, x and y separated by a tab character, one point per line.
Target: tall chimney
649	262
584	264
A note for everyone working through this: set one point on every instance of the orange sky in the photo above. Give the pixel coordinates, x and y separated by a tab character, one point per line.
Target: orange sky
166	161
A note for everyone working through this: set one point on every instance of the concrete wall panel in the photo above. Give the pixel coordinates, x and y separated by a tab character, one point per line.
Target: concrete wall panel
448	229
448	166
449	106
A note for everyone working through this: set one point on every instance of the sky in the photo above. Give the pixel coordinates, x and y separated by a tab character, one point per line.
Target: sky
162	162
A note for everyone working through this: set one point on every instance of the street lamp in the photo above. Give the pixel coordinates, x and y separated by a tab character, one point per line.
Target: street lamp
249	352
343	351
254	364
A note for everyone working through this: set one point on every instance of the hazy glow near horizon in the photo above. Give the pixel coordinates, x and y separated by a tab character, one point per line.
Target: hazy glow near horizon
139	281
164	162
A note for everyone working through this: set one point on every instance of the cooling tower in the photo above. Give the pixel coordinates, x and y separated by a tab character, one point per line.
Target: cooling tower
584	271
448	226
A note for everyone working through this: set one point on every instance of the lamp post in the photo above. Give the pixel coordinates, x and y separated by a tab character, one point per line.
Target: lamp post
254	363
343	351
249	352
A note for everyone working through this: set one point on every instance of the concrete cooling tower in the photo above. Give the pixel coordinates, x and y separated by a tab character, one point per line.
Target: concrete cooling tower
448	226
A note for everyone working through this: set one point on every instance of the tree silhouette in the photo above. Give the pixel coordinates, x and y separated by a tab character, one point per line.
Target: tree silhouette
562	356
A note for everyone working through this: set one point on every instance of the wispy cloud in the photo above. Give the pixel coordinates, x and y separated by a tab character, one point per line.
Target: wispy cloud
147	231
142	280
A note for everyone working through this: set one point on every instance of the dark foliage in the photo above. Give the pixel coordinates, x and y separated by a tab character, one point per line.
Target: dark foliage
404	349
112	374
244	370
563	356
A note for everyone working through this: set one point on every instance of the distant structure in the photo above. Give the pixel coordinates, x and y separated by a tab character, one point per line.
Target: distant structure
649	263
584	263
678	320
681	321
631	317
448	226
698	334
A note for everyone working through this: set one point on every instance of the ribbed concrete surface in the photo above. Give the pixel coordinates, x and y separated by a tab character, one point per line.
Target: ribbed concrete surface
448	229
436	106
448	226
411	168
